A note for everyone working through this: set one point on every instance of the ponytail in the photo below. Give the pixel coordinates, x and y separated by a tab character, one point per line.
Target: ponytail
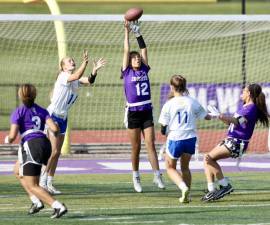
258	98
261	105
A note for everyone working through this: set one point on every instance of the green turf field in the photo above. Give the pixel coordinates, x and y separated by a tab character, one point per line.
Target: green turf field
110	199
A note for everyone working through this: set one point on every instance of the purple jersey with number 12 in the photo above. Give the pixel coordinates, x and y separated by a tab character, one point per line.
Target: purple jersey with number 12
245	130
137	87
33	118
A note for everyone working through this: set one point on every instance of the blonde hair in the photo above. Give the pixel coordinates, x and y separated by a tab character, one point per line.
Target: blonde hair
27	93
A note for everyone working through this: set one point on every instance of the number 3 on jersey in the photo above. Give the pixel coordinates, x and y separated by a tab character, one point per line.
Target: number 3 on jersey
141	89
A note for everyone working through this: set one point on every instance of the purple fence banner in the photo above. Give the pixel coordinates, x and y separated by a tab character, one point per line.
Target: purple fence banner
225	96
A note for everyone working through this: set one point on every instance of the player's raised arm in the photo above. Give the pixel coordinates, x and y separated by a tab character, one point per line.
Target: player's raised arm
79	72
135	28
126	46
97	65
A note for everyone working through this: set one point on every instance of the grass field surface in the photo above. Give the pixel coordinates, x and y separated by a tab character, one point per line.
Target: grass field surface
110	199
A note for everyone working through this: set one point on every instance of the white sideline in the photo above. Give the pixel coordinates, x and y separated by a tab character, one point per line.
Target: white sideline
118	17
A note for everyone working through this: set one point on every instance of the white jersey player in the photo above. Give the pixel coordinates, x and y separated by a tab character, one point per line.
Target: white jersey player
178	116
64	95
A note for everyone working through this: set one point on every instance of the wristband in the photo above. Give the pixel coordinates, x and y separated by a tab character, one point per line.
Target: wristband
141	42
91	78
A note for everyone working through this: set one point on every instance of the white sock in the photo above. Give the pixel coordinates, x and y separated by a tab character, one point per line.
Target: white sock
56	205
50	180
43	179
35	200
136	174
211	186
157	173
182	186
223	182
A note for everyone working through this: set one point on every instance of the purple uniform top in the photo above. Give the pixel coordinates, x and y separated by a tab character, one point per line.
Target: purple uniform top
137	88
31	121
244	130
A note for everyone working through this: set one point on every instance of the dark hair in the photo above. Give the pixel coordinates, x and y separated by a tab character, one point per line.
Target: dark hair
179	83
131	55
27	93
258	97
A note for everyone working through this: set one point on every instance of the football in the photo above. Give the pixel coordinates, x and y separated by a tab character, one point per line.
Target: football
133	14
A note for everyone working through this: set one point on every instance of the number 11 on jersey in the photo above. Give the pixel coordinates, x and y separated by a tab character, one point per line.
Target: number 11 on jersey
184	114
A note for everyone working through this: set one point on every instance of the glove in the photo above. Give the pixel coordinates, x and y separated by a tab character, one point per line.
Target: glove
135	28
6	141
213	111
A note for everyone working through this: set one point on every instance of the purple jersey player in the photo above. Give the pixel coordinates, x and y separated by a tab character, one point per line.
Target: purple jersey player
241	127
29	120
139	117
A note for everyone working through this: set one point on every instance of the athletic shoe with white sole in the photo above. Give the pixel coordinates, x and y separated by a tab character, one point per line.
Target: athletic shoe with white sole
137	184
209	196
159	181
51	189
185	196
35	208
58	212
224	190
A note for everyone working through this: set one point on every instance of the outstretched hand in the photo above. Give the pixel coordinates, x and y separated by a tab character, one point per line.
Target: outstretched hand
85	56
97	64
213	111
135	27
126	25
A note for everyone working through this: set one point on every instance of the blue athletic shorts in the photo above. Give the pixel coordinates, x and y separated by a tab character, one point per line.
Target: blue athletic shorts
176	148
62	123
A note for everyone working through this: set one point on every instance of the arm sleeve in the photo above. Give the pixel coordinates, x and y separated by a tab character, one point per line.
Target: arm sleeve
125	72
199	111
145	67
164	117
15	117
63	78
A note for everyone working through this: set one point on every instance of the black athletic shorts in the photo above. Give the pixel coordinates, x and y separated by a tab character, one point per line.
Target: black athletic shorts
140	119
234	146
34	154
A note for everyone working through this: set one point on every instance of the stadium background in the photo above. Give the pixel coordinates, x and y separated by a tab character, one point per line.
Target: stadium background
108	198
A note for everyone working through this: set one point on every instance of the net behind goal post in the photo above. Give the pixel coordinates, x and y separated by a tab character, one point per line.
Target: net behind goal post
207	50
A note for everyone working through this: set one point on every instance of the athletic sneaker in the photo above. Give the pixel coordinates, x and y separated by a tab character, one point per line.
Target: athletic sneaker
137	184
185	196
35	208
224	190
51	189
58	212
209	196
159	181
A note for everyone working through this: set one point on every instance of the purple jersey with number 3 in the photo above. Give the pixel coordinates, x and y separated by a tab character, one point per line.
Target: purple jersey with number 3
245	129
30	119
137	87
